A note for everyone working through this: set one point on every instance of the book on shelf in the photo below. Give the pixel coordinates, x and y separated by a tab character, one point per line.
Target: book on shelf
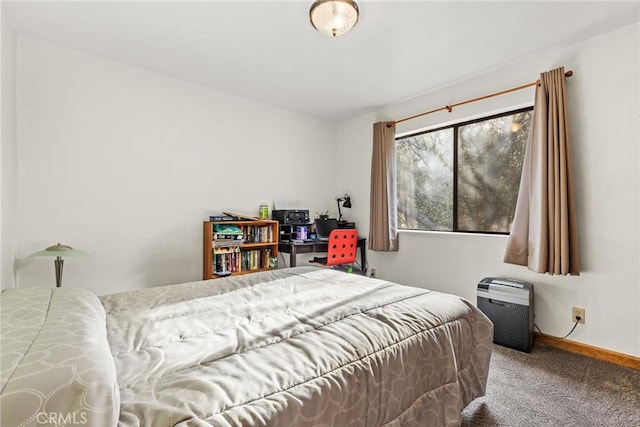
234	245
225	236
226	263
223	217
242	217
256	259
219	243
227	229
225	249
273	262
258	234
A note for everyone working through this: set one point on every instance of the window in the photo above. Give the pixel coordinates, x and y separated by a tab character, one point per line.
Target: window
463	177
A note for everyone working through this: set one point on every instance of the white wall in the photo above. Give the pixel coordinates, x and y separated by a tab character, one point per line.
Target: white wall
126	164
604	112
8	149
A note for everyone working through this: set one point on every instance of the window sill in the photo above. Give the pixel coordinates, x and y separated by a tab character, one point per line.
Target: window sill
450	233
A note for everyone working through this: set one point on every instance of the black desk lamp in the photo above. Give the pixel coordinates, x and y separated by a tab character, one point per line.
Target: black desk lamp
346	199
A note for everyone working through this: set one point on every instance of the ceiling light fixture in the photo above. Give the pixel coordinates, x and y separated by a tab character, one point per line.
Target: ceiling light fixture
333	17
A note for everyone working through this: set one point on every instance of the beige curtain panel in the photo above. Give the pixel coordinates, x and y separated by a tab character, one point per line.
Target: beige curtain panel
383	220
544	235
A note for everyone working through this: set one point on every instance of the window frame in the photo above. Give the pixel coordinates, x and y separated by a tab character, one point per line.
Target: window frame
455	126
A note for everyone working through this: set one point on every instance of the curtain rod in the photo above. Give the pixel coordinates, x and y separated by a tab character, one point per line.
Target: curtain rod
450	108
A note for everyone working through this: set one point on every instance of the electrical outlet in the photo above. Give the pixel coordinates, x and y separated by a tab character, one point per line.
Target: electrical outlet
373	272
577	312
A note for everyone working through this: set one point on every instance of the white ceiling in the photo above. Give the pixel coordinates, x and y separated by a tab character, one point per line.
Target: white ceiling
268	51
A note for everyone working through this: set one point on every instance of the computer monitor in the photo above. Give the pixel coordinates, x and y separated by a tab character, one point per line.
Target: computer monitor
324	227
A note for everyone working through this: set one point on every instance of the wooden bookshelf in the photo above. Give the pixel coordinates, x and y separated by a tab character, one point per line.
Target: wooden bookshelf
255	250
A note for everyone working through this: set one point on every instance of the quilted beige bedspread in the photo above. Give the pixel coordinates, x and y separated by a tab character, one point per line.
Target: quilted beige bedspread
55	365
296	347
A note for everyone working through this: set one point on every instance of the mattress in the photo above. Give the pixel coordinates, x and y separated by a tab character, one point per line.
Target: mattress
296	347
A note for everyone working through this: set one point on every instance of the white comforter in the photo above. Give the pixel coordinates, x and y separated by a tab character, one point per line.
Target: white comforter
296	347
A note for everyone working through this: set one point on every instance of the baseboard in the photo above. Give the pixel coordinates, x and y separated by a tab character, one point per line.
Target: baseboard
589	351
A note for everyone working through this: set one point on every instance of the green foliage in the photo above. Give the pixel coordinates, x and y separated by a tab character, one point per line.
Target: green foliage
490	155
424	170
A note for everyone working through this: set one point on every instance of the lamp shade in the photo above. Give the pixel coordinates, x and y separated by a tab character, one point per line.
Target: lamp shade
59	251
347	202
334	17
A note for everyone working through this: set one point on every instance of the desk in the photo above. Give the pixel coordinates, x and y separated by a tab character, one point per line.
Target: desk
293	249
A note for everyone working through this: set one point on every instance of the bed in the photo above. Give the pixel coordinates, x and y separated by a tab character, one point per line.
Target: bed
292	347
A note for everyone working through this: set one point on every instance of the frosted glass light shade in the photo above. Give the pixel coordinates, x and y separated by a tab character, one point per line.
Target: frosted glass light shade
334	17
59	251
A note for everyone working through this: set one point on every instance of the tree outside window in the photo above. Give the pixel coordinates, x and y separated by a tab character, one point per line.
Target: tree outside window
464	177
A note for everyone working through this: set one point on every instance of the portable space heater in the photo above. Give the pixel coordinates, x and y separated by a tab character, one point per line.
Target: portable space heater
509	305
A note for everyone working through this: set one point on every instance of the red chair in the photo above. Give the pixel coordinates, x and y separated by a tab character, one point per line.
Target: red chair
341	250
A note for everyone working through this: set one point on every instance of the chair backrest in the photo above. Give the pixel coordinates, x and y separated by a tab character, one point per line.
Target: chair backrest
342	246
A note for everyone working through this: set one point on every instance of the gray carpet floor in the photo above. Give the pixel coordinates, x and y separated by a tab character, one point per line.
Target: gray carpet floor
552	387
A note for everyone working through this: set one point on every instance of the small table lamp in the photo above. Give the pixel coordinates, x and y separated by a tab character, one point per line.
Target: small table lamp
347	204
59	251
